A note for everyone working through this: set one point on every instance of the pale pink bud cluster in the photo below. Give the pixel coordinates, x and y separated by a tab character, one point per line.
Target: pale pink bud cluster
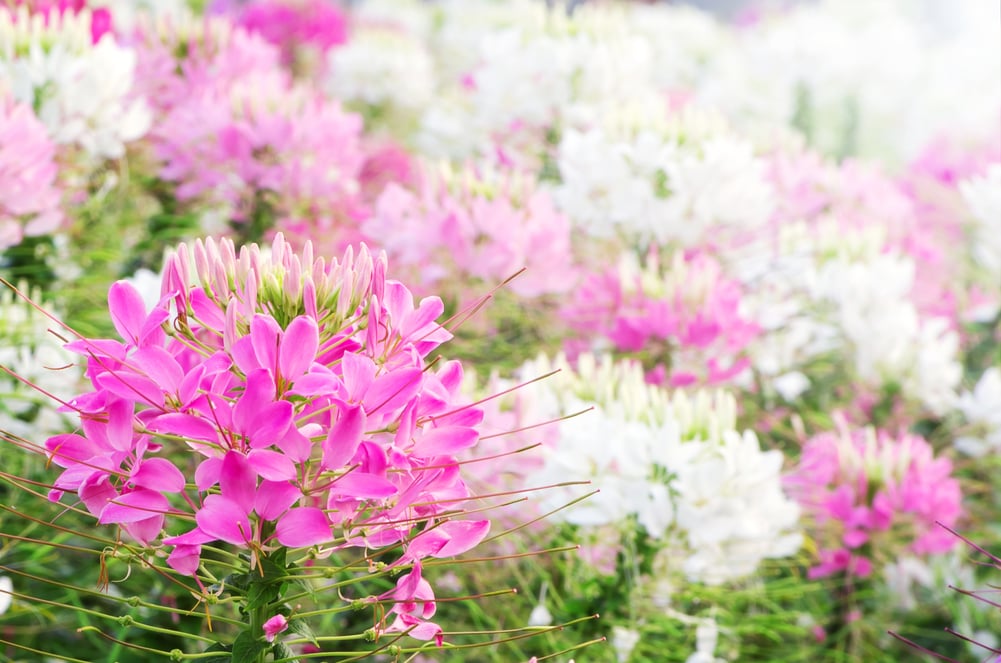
872	496
298	392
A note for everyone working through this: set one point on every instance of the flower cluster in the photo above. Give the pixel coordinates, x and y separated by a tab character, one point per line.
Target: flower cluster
476	227
80	88
299	389
873	495
680	468
685	315
654	183
292	26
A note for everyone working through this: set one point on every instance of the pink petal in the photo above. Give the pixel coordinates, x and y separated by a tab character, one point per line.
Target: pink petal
463	535
445	441
184	425
296	446
160	366
303	527
131	387
272	422
271	465
70	449
119	428
264	334
224	519
238	481
159	474
244	355
275	498
392	390
207	473
298	347
185	559
132	507
258	393
128	312
359	485
145	531
343	439
358	372
96	491
314	383
274	626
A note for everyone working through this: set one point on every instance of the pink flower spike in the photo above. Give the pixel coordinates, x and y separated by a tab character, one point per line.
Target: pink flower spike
274	626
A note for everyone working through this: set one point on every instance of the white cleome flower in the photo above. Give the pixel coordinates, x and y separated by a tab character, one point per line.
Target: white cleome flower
982	409
29	350
82	92
651	181
674	463
983	198
381	66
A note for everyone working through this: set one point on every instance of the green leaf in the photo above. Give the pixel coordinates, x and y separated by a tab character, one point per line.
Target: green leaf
262	593
246	647
224	654
301	627
274	567
280	650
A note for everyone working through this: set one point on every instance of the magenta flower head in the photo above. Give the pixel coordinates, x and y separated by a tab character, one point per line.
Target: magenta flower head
280	405
873	496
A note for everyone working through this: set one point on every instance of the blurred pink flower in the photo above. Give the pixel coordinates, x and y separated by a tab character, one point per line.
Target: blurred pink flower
872	496
484	226
290	24
684	315
29	195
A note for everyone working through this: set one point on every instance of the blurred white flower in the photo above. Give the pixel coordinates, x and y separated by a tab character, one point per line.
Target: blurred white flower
6	587
624	640
983	198
82	92
982	409
381	66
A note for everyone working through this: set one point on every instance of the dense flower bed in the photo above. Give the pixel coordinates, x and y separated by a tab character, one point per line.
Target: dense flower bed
603	332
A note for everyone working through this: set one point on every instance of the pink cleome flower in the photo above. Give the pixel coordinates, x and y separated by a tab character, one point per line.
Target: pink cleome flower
873	495
685	315
477	225
290	24
299	392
